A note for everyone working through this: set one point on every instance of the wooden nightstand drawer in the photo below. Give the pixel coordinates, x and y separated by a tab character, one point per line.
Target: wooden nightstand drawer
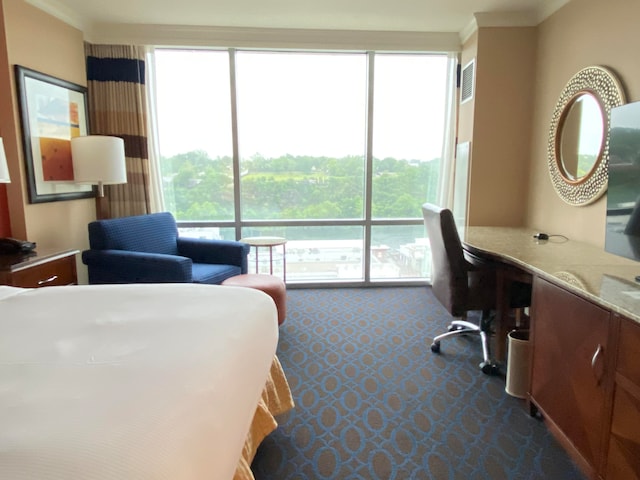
41	270
57	272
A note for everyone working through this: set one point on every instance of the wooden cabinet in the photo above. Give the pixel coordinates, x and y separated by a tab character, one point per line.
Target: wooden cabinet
39	269
571	371
623	460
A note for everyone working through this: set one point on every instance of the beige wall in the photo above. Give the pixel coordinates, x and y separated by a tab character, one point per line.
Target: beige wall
520	74
582	33
38	41
500	119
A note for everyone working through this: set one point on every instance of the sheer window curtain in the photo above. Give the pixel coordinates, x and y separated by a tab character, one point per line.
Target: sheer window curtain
155	174
447	176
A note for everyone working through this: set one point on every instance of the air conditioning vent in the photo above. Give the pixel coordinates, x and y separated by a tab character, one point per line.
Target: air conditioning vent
466	84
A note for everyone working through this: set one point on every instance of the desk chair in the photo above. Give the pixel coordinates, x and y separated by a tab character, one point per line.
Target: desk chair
464	284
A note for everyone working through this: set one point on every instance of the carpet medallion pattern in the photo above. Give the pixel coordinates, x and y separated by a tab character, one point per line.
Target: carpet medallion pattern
373	402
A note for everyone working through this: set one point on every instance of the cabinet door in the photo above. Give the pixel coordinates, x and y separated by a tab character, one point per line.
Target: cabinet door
623	461
570	366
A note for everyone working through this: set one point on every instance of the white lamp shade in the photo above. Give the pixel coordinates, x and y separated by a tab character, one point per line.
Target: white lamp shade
4	169
98	159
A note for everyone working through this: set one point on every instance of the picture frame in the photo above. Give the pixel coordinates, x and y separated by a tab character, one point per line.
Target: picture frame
52	111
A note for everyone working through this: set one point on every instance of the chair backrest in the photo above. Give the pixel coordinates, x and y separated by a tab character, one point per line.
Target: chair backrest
152	233
449	269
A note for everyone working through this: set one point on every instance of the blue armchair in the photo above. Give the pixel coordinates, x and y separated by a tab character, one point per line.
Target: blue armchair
148	249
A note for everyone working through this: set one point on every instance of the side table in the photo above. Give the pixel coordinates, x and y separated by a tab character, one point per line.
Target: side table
269	242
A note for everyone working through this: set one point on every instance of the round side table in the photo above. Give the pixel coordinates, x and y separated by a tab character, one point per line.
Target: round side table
269	242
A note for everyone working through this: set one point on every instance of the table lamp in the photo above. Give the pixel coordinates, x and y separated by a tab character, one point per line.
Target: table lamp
4	169
98	160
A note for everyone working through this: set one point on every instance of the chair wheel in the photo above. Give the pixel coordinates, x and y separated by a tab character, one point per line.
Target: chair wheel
489	368
435	347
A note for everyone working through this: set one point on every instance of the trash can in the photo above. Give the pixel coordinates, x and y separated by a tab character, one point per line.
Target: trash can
518	358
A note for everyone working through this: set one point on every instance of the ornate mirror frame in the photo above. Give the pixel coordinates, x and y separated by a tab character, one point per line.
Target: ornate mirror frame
605	87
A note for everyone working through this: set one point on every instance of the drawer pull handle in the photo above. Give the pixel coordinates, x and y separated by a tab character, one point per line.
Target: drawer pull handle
597	373
52	278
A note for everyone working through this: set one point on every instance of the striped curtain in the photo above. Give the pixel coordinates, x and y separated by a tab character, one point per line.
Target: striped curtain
118	106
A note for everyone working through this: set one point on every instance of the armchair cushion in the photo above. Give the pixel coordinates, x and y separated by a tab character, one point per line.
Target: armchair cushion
148	249
120	266
213	273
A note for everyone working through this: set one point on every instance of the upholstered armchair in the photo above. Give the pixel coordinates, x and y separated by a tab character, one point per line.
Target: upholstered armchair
148	249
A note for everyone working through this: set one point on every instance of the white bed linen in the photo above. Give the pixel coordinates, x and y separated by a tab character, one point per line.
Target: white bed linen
130	381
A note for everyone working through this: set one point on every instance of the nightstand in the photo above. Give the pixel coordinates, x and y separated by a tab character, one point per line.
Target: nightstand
39	269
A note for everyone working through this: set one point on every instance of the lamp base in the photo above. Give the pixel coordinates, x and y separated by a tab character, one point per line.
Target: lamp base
102	208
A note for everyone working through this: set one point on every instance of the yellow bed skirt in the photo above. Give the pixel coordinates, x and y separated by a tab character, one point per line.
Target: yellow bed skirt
276	399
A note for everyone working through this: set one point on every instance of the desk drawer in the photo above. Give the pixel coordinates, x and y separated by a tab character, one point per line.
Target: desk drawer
628	362
56	272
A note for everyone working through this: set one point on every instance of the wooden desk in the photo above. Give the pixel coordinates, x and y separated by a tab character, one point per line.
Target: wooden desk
583	269
585	334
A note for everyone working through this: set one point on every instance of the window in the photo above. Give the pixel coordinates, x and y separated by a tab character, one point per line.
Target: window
195	133
301	134
408	132
334	151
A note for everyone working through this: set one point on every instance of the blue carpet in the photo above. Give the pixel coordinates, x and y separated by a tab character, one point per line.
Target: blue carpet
373	402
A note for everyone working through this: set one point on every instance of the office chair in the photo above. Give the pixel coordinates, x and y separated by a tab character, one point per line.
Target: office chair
464	284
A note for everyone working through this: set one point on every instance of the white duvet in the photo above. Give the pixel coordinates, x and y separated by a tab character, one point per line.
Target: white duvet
130	381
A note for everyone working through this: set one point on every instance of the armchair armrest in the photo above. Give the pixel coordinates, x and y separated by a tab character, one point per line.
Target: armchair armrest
121	266
226	252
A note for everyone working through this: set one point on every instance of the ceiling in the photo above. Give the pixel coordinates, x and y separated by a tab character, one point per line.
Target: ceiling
365	15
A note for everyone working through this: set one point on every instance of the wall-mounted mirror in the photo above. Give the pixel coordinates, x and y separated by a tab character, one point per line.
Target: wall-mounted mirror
578	148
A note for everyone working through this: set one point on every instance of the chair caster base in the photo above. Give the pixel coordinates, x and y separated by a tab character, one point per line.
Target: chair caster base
489	368
435	347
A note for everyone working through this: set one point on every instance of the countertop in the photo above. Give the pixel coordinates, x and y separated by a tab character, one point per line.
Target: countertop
589	271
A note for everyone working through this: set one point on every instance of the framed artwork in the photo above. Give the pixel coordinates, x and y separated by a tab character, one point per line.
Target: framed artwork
52	112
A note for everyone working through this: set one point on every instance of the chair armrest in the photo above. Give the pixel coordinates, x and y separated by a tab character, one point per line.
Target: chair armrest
121	266
226	252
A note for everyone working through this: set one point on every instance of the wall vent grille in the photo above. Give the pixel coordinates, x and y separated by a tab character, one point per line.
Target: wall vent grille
466	85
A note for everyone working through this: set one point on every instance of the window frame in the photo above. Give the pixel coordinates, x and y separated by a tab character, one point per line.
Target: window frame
367	223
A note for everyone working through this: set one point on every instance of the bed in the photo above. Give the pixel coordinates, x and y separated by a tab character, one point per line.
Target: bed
170	381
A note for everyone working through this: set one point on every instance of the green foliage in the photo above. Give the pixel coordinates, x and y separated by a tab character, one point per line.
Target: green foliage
197	187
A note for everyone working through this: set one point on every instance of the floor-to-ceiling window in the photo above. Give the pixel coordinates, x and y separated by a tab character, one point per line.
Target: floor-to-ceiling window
333	151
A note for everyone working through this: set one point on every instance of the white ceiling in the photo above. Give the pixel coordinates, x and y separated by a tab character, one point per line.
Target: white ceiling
365	15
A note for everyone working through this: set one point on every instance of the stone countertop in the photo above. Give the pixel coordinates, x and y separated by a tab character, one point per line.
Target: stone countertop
589	271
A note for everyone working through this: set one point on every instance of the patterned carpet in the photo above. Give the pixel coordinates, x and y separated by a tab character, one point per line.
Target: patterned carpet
373	402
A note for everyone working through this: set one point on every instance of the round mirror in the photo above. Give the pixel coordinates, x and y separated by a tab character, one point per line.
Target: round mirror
578	138
581	137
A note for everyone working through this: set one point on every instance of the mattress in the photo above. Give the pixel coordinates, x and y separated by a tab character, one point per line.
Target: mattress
130	381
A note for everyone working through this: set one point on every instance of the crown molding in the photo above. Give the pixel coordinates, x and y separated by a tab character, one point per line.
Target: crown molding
61	12
511	19
194	35
549	7
205	36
